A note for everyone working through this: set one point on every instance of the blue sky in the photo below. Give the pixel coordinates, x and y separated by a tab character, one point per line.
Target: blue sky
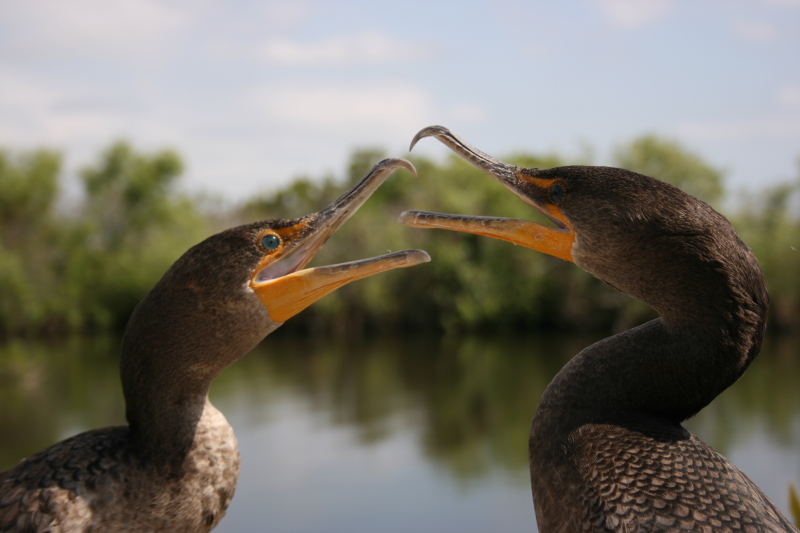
254	93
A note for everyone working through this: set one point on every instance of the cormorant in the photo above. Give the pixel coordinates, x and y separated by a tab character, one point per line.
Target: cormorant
607	448
174	467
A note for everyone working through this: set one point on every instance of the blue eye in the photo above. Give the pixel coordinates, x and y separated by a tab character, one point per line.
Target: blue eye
557	193
270	241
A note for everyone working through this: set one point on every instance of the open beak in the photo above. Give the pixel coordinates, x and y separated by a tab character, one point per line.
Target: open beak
523	182
286	288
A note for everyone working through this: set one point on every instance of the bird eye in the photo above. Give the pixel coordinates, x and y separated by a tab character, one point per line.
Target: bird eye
270	241
557	193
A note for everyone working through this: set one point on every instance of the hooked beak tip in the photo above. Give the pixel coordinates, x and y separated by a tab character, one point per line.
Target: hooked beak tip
394	164
428	132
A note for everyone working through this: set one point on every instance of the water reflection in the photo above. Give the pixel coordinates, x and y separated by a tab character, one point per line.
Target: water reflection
395	435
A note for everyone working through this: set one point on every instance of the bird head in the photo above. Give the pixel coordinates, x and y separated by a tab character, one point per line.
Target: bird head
226	293
641	235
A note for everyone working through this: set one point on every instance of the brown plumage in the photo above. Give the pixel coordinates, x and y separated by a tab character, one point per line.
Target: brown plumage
607	448
175	466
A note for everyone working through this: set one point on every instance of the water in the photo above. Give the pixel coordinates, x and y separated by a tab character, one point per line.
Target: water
386	435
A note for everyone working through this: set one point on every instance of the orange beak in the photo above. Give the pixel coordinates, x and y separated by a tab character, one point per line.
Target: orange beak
555	241
286	288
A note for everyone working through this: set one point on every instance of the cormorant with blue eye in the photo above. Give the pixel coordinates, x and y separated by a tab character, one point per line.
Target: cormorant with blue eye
175	466
607	448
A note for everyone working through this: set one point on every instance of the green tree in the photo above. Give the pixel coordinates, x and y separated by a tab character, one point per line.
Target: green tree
28	191
63	272
88	270
130	195
770	224
134	225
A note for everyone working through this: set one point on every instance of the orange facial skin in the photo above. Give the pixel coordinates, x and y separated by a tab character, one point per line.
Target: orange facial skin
280	280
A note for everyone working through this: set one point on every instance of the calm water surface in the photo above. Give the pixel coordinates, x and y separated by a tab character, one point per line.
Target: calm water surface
392	436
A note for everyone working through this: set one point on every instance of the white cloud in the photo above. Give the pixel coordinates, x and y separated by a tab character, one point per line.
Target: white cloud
35	111
789	96
18	93
785	3
782	124
93	27
756	31
287	14
467	112
634	13
367	47
394	105
768	126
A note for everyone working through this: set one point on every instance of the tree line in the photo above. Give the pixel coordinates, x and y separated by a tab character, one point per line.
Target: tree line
83	267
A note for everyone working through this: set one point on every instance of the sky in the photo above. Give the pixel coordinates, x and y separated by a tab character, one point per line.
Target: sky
254	93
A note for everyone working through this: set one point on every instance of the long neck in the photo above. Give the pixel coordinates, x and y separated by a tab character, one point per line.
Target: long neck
668	368
164	403
710	294
177	341
649	371
166	372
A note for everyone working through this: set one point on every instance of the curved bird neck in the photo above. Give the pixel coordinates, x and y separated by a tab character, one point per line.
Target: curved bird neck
178	339
163	407
649	372
713	316
171	353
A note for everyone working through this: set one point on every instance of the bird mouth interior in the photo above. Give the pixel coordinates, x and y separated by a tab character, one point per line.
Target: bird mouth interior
556	241
285	287
293	261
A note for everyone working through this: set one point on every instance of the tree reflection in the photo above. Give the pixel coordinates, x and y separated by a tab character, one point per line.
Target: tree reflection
468	399
471	399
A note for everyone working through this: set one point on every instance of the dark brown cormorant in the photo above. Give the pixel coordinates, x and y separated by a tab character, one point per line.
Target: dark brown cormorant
607	448
175	466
